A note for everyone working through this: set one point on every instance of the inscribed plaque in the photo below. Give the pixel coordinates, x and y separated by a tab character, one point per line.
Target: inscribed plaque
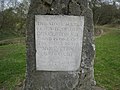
58	41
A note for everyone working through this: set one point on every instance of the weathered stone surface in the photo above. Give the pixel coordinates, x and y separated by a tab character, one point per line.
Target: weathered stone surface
58	42
83	79
48	1
74	9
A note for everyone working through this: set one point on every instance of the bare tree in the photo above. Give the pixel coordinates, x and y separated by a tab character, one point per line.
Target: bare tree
1	5
1	14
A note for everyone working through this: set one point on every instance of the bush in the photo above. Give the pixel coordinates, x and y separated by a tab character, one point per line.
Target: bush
117	21
12	23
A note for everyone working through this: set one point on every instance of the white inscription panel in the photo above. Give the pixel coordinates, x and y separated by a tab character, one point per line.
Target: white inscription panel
58	42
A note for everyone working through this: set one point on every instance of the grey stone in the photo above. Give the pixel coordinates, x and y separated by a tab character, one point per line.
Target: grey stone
82	79
74	9
48	1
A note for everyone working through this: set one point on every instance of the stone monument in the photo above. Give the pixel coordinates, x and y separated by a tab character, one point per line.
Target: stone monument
60	45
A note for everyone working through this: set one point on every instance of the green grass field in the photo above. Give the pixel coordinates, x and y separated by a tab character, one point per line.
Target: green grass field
12	65
107	62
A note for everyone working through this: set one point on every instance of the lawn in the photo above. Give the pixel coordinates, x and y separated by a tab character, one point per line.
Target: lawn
107	62
12	65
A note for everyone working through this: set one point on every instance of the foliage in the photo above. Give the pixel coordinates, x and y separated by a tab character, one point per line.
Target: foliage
12	23
13	20
105	13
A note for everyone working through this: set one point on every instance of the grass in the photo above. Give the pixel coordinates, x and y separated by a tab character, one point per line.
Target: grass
107	61
12	65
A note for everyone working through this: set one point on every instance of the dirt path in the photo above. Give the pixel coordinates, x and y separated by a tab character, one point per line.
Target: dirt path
12	41
98	88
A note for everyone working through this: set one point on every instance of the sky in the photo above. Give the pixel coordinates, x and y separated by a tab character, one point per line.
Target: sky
107	0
